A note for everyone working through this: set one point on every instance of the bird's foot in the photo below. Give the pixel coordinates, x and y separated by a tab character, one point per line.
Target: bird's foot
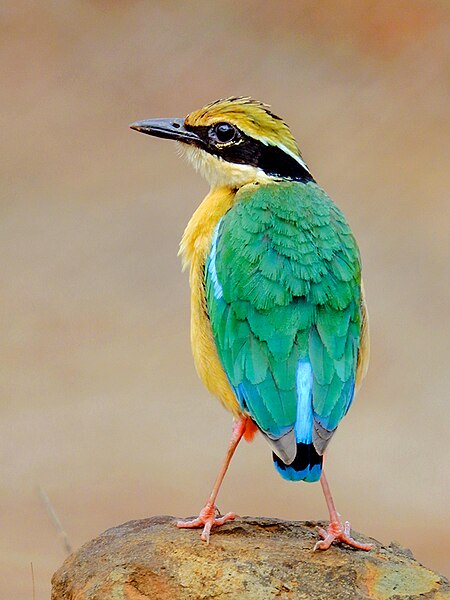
339	533
208	518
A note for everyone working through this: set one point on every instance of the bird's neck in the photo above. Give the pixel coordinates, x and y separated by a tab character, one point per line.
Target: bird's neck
220	173
197	236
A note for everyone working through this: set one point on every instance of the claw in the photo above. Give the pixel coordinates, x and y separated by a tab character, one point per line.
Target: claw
207	519
339	533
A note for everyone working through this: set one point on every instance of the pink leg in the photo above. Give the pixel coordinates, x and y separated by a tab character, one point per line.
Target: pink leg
335	531
208	515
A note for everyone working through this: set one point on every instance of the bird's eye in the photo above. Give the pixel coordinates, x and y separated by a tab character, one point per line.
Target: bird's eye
224	132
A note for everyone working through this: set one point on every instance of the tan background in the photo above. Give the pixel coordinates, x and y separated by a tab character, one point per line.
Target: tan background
100	404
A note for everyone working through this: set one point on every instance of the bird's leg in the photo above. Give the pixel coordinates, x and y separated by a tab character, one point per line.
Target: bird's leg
335	530
209	515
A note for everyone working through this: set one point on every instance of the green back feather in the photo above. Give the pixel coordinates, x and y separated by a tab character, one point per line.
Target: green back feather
284	286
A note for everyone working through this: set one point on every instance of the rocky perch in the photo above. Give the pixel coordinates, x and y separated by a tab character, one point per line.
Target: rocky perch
247	559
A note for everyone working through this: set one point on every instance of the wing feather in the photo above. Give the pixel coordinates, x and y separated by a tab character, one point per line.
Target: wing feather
283	295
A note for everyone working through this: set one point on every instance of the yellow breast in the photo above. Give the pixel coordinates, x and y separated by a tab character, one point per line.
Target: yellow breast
194	248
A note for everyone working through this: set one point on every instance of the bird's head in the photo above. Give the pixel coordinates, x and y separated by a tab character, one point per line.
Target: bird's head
233	142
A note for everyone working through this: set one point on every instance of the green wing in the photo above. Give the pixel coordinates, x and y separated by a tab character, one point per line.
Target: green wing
283	295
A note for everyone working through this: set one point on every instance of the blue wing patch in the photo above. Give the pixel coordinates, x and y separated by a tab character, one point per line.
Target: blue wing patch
304	421
218	291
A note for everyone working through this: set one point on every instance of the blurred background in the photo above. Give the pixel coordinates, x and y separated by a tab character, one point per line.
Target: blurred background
101	405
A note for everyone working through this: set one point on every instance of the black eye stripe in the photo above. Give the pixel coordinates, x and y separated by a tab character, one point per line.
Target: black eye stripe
249	151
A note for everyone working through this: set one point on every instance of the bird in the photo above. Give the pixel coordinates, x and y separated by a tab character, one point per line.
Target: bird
279	322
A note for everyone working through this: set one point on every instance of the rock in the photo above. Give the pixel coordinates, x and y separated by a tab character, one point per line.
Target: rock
247	559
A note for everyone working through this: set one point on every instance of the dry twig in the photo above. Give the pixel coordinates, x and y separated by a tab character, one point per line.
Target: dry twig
55	520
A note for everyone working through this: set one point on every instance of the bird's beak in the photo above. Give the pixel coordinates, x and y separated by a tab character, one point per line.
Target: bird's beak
171	129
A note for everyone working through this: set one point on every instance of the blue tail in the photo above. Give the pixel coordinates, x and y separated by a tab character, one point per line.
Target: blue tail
307	465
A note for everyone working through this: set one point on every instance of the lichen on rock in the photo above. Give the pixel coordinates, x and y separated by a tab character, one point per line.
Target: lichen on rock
248	559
